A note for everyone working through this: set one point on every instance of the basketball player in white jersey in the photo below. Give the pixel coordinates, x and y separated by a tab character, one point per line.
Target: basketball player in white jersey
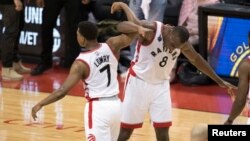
243	92
242	99
147	85
97	67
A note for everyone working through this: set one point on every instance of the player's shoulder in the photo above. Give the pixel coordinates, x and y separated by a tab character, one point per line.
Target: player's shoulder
245	65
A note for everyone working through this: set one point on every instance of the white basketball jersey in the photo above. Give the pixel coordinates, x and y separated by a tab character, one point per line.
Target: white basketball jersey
151	62
102	80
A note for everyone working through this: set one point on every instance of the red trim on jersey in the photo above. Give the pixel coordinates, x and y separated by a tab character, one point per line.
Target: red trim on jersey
126	125
87	97
138	48
131	71
81	60
125	85
162	124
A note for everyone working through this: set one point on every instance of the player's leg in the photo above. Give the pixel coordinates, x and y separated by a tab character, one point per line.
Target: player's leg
125	134
115	118
162	134
161	110
134	107
96	122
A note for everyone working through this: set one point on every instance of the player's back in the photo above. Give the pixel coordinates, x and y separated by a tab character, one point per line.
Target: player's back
102	79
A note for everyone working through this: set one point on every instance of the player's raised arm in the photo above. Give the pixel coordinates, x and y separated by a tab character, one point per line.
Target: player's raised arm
118	6
130	31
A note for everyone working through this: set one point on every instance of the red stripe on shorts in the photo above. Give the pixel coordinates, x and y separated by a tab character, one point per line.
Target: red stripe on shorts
90	114
162	124
126	125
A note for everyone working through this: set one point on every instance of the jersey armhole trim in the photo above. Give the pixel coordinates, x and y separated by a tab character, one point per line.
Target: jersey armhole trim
88	71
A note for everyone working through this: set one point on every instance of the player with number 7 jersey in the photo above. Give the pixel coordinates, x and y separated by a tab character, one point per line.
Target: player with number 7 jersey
102	78
97	68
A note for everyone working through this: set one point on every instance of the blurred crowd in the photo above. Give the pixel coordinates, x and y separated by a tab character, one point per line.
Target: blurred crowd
173	12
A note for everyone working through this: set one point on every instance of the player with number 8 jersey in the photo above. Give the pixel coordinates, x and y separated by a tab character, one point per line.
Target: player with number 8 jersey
147	87
152	62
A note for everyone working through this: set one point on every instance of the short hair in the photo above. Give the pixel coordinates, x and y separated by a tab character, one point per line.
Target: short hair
182	33
88	30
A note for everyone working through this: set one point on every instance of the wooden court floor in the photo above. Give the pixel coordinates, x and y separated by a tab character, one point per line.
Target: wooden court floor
63	121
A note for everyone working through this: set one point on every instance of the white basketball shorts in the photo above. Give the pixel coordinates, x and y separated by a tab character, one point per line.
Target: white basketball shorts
141	97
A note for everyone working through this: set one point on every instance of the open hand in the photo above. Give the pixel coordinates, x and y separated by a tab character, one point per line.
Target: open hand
230	89
35	109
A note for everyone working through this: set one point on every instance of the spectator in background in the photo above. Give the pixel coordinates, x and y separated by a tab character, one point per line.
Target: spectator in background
107	23
101	10
13	19
51	10
189	17
150	10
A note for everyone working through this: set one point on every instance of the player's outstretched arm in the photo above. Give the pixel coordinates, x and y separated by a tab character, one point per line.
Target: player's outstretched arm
130	31
129	27
77	72
200	63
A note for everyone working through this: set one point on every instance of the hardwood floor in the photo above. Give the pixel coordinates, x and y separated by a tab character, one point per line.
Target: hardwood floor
210	98
63	121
